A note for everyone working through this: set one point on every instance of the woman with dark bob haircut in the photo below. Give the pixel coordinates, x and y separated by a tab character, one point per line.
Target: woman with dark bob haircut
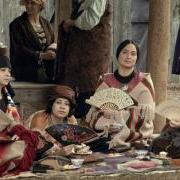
136	121
125	43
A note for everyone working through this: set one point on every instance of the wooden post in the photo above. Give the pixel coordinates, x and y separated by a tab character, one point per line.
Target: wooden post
62	11
121	24
158	51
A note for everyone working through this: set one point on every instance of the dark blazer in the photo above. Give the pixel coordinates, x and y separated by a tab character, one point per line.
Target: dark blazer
25	47
176	60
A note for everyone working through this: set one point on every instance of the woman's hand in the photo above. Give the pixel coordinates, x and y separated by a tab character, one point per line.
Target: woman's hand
55	150
108	113
72	120
118	116
112	114
67	150
48	137
58	149
48	55
15	137
67	24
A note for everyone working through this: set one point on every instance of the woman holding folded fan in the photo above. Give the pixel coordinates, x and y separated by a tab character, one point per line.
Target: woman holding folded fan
60	107
59	110
137	121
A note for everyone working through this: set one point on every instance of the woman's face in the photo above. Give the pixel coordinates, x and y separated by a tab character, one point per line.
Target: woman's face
32	7
61	108
128	56
5	75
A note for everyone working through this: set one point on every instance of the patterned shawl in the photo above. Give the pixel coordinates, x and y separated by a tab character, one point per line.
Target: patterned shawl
11	108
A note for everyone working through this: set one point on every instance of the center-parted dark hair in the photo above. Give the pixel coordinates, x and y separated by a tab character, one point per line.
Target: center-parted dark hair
61	91
124	44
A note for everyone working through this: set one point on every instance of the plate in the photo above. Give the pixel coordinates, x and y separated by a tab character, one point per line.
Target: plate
141	152
70	167
114	155
89	157
85	153
159	157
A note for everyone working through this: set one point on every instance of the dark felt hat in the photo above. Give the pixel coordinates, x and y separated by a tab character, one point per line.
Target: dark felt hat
4	62
61	91
3	49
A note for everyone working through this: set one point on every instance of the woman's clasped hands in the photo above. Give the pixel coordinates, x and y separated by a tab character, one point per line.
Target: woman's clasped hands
48	55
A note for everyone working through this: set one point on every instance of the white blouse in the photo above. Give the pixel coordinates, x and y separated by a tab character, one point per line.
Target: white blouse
93	11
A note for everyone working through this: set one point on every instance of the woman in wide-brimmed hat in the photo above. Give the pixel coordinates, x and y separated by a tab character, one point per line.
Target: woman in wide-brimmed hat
60	106
59	110
32	48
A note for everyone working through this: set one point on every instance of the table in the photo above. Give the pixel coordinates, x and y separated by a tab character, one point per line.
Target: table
155	175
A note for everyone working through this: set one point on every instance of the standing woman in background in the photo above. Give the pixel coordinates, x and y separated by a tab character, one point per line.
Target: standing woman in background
32	48
84	51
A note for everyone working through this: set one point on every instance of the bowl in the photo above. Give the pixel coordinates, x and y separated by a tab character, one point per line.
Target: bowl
163	154
77	162
141	152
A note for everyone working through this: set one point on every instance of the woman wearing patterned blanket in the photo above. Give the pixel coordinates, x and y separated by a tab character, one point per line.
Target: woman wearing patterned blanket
137	121
17	144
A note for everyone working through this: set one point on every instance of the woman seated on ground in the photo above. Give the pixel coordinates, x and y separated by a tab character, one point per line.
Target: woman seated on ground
137	121
59	110
16	156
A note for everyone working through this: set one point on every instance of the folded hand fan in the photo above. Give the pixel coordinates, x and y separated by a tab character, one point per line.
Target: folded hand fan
110	98
71	134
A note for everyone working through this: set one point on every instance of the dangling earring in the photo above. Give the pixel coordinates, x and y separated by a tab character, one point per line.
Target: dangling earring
135	69
115	65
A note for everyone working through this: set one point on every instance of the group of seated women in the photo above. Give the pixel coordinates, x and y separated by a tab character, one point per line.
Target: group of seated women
136	121
27	144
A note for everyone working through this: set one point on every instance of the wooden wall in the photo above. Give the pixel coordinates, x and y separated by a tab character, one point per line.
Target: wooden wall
131	21
10	9
124	13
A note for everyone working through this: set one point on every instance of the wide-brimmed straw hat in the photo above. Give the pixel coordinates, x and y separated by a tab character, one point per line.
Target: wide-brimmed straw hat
5	62
39	2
